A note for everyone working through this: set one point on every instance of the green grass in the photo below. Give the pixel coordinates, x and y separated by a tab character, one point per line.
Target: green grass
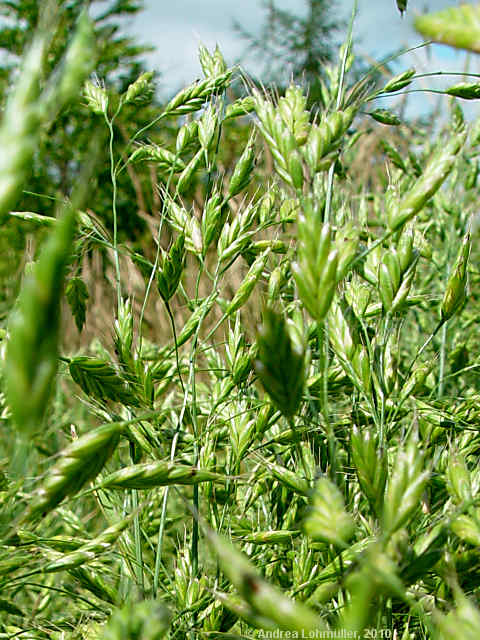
298	453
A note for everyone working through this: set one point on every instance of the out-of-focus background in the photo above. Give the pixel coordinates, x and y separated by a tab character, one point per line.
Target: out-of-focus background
176	29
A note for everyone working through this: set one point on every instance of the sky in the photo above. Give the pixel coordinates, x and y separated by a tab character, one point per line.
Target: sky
177	28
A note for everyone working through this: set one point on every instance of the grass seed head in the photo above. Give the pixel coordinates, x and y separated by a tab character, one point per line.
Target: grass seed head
87	552
248	284
370	466
156	474
280	364
140	89
78	62
315	271
405	487
100	379
459	479
78	464
399	82
31	361
171	269
213	64
456	289
96	97
435	173
243	172
193	98
327	519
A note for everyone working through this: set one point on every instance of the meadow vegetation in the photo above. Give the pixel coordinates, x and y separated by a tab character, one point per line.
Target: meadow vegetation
272	432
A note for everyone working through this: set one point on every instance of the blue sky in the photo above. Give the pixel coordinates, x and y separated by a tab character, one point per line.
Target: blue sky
177	28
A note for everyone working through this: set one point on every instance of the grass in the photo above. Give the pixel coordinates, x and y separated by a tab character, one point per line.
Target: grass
309	472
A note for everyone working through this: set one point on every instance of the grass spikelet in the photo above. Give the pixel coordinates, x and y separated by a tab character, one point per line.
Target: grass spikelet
208	130
191	325
241	429
343	331
405	487
158	474
100	380
213	219
78	464
456	289
327	519
213	64
171	269
399	82
280	139
435	173
280	364
32	356
459	479
123	337
186	177
370	465
96	97
186	223
292	109
272	537
237	355
19	129
194	97
164	159
385	117
346	243
187	137
240	107
467	528
289	479
87	552
94	583
395	278
77	295
315	272
242	174
140	89
245	290
324	139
